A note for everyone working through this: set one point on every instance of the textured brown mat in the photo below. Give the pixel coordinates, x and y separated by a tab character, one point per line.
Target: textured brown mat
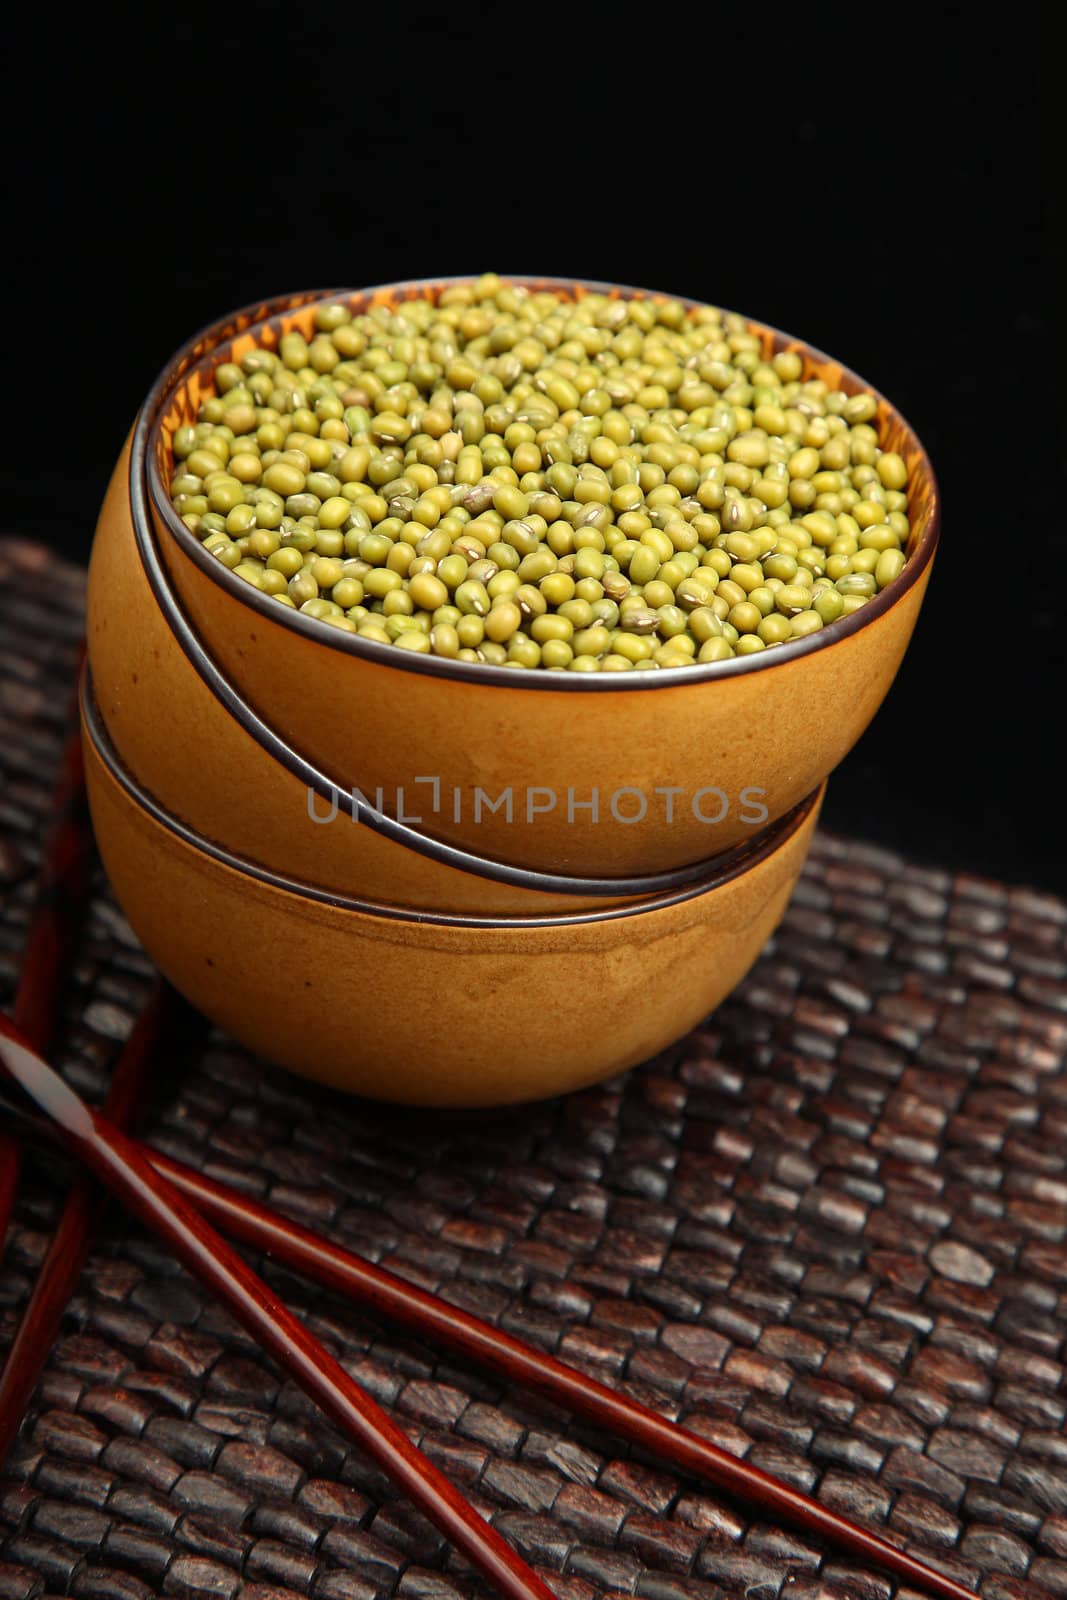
829	1230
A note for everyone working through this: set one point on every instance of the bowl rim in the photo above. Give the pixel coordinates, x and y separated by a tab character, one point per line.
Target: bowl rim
769	841
147	439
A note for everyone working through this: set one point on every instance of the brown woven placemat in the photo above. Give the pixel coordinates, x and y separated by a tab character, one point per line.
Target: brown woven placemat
828	1230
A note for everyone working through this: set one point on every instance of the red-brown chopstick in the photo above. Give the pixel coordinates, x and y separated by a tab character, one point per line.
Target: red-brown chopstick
335	1268
123	1169
55	925
428	1316
162	1026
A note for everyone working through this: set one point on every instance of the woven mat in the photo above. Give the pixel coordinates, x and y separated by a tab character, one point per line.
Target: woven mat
828	1230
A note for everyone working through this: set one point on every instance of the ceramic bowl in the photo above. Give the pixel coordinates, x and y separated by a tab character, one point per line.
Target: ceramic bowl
429	1009
372	717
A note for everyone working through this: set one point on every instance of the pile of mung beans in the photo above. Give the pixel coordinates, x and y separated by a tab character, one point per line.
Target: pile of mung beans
505	475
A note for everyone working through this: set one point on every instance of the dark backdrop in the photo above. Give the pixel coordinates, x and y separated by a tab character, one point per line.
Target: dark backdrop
892	198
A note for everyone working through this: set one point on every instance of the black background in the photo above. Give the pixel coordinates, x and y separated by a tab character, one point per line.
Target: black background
893	198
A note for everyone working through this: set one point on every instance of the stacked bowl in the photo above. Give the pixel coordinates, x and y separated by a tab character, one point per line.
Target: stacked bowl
432	880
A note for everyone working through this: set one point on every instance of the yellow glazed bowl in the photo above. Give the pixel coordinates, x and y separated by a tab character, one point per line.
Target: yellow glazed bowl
424	1009
372	717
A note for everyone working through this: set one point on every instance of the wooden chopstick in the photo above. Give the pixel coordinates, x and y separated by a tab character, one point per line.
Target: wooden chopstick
424	1314
163	1027
63	884
51	945
55	926
123	1168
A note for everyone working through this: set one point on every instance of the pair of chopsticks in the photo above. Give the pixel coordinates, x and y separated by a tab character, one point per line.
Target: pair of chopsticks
180	1206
